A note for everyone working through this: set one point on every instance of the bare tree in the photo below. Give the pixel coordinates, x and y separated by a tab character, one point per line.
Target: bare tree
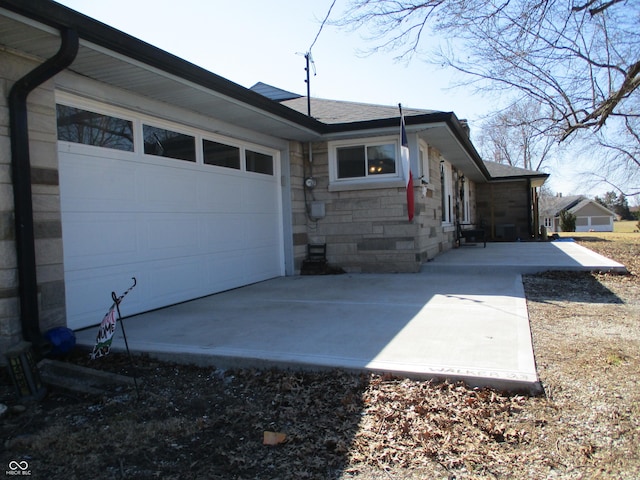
578	59
517	137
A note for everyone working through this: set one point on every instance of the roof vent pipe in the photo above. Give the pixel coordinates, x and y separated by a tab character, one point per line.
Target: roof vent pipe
21	169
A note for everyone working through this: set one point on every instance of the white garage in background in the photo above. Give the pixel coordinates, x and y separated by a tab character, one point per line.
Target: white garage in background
186	212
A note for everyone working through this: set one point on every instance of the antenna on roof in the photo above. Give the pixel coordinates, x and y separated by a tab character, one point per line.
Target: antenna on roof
309	59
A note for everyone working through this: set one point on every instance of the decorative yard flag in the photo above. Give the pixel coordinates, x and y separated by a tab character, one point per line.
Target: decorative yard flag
406	165
105	334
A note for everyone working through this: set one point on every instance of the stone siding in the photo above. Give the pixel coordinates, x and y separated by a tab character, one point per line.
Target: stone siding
365	230
46	207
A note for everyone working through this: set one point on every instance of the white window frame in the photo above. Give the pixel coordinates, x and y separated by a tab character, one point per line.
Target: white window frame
466	203
447	193
423	162
386	180
139	119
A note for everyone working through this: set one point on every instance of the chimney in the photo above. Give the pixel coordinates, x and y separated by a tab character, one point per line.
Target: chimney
559	194
465	127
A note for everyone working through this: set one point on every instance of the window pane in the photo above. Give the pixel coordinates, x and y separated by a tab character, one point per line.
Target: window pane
351	162
381	159
221	155
166	143
259	162
90	128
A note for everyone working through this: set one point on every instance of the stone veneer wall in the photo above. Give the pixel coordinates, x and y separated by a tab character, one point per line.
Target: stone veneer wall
504	207
46	207
365	230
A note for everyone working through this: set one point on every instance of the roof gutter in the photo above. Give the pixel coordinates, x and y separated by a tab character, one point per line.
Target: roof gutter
447	118
21	167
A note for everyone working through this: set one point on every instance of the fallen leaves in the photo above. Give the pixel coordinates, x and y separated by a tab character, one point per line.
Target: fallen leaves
205	423
407	423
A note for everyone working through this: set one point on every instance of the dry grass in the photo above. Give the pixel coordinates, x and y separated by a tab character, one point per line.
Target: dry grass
207	424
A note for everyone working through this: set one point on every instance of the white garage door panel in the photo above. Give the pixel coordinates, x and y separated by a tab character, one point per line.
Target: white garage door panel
224	232
96	236
88	295
171	235
115	189
183	230
169	189
220	193
258	197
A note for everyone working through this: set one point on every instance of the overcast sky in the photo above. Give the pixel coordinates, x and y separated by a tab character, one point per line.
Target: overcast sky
249	41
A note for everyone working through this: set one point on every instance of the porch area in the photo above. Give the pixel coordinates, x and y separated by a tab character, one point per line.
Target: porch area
463	317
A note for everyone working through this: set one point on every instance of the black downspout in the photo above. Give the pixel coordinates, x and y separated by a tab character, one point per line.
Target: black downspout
21	166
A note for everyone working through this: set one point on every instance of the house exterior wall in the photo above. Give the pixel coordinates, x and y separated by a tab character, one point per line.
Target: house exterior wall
593	218
505	209
364	230
46	206
592	210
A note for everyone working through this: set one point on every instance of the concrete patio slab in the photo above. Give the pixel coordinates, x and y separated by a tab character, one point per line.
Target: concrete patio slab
464	317
523	257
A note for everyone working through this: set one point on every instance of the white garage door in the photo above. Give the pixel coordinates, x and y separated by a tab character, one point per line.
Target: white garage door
183	229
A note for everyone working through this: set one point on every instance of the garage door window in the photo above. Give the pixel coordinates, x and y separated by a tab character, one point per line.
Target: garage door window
259	162
90	128
167	143
221	155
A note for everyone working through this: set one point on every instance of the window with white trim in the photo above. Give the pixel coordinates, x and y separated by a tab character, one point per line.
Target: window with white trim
78	125
446	184
85	123
424	162
168	143
364	161
466	210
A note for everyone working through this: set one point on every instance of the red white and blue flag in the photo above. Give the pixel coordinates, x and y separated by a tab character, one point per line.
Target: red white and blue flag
406	165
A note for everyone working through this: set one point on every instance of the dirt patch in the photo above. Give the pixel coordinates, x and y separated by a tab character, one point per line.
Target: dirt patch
205	423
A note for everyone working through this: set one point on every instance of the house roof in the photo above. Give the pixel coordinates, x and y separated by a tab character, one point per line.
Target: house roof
344	119
504	172
552	206
586	201
339	112
274	93
110	56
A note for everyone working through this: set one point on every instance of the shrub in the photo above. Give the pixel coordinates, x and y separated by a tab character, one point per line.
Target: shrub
567	221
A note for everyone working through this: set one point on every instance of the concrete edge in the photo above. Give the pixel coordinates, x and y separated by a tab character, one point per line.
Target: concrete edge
511	382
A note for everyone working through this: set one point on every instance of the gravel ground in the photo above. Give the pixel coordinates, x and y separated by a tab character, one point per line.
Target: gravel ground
203	423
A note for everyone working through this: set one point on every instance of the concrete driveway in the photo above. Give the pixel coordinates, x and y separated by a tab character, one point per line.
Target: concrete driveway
463	317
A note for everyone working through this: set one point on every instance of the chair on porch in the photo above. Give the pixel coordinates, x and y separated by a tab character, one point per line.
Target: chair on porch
471	233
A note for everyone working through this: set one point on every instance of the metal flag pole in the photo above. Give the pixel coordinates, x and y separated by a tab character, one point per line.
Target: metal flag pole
116	301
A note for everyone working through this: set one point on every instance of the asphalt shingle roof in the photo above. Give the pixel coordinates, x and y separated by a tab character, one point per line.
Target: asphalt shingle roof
502	170
552	206
334	111
338	111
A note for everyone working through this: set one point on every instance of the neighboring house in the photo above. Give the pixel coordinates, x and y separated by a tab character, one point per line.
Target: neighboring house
126	161
590	215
